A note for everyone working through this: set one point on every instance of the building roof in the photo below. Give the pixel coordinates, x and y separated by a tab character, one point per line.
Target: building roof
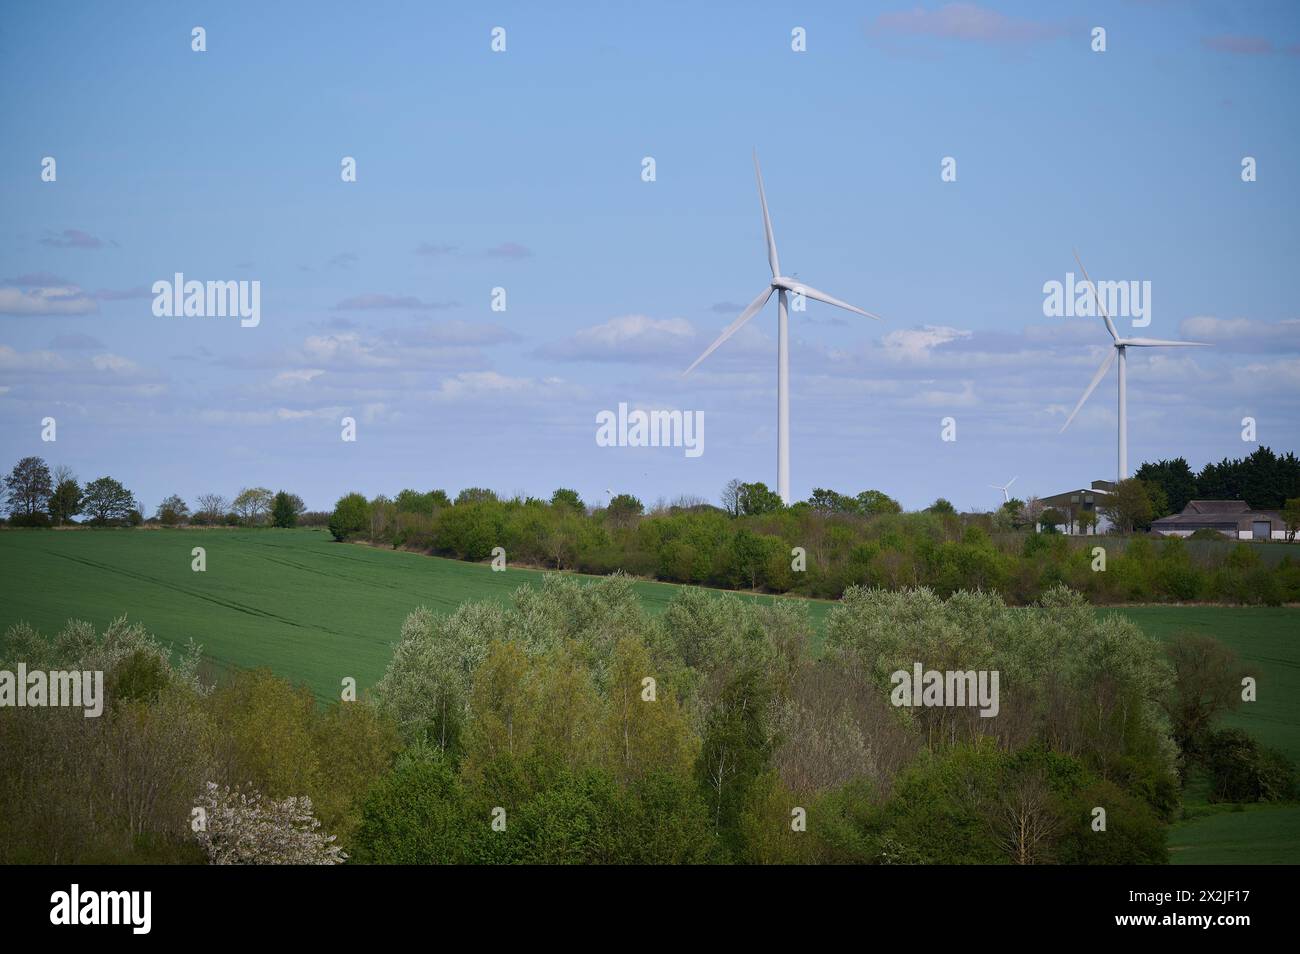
1215	514
1216	506
1089	494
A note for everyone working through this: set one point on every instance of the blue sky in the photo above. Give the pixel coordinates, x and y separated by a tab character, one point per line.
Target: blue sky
522	170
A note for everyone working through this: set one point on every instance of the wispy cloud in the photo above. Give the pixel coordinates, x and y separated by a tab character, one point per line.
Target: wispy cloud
296	377
918	344
726	308
627	338
443	333
378	301
12	360
126	294
1243	334
42	294
37	280
435	249
511	251
507	251
114	364
73	238
473	386
968	22
76	342
1236	43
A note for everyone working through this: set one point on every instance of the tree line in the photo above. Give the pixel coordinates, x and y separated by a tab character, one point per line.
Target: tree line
35	496
1263	479
570	726
818	547
821	547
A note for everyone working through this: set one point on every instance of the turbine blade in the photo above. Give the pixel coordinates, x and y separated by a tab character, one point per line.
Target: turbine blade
1101	306
1012	481
1096	379
821	296
732	328
1160	343
772	260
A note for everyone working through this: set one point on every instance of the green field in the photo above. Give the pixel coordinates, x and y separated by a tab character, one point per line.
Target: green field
291	600
1267	641
316	611
1256	835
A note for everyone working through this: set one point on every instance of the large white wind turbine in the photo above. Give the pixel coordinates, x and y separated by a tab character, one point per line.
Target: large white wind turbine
1006	497
1120	346
781	285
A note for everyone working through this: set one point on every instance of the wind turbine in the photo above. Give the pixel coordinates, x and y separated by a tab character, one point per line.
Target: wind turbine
781	285
1006	497
1120	345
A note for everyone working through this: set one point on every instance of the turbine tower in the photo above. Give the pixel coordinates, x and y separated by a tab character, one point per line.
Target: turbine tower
1120	347
781	285
1006	497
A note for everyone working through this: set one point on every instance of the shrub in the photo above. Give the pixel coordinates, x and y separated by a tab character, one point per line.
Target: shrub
246	828
1242	770
417	814
1133	834
37	518
284	511
351	515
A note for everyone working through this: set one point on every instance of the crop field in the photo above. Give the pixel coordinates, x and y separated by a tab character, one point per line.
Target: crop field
316	611
293	601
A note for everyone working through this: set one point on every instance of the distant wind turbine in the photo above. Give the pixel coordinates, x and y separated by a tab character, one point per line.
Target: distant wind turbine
1120	346
779	284
1004	488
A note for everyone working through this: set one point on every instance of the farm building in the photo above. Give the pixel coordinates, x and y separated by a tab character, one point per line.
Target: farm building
1076	503
1232	518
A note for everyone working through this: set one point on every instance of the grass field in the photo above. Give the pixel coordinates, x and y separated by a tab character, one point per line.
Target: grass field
1255	835
316	611
291	600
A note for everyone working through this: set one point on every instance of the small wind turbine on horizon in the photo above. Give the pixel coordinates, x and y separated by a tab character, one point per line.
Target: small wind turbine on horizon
1119	347
781	285
1006	497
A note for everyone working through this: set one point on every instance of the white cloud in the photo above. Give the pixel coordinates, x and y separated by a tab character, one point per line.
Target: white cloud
287	379
916	344
937	397
1243	334
271	415
46	300
472	385
13	360
114	363
626	338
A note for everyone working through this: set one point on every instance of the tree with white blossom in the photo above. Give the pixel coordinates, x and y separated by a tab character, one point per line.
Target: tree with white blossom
247	828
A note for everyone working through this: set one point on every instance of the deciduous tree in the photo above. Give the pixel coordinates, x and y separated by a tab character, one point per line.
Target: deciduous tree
28	488
252	504
107	501
173	510
65	501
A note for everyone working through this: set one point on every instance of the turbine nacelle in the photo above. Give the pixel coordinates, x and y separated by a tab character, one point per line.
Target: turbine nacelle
781	283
